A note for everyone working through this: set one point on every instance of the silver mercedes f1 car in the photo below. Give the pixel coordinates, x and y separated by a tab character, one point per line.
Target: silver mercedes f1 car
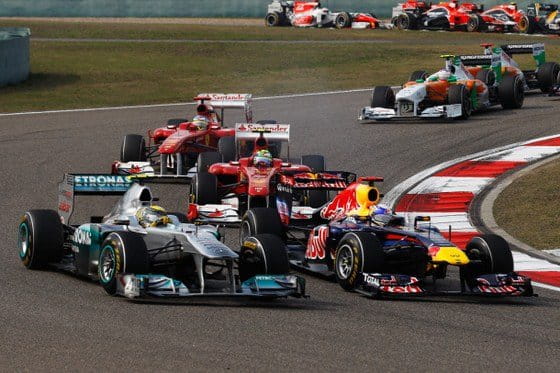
172	260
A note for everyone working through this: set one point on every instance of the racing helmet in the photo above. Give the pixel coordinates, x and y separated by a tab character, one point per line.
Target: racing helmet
262	158
444	75
152	216
200	122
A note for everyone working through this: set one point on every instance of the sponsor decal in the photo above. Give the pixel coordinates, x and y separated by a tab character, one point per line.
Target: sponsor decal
371	280
274	128
64	206
317	243
82	237
101	182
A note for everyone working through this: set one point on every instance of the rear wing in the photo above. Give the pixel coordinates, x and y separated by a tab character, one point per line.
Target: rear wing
228	101
252	131
537	50
326	180
102	185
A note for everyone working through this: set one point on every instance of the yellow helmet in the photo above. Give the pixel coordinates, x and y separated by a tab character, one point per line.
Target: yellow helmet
152	216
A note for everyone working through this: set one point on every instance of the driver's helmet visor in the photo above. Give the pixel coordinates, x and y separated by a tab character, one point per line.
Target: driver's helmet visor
262	161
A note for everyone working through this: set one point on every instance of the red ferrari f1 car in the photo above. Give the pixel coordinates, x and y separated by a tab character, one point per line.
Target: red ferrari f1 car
452	15
223	191
371	251
174	148
312	14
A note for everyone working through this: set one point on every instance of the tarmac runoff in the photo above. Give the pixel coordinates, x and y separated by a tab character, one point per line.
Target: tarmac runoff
451	192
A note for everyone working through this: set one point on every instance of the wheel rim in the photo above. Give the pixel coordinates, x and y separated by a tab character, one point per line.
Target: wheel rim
107	264
344	262
404	23
23	240
523	25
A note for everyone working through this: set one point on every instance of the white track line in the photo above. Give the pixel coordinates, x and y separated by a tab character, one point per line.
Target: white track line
183	103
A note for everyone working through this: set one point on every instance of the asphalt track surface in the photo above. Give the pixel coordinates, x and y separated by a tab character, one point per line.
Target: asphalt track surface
51	321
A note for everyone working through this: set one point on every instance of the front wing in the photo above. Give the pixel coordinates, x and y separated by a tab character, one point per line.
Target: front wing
379	285
159	287
441	111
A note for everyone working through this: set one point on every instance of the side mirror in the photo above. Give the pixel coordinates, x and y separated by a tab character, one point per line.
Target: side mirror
420	219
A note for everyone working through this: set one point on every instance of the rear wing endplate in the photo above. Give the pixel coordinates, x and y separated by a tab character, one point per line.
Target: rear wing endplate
228	101
103	185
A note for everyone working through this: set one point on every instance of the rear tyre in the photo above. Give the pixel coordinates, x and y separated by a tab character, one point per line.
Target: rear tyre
548	76
343	20
492	251
523	25
133	149
273	19
261	220
205	187
207	159
226	147
263	254
357	253
121	252
383	96
511	92
473	23
406	21
418	75
459	94
40	238
315	198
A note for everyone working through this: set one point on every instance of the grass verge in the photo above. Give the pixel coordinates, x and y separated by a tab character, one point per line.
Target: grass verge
529	208
70	75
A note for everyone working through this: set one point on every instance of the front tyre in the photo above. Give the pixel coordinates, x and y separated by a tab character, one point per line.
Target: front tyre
263	254
343	20
40	238
459	94
383	96
121	252
473	23
357	253
492	251
261	220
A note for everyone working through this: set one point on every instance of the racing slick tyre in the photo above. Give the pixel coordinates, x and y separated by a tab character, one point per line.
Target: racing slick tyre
488	77
473	23
273	19
523	25
511	92
357	253
133	149
263	254
121	252
226	147
343	20
418	75
261	220
492	251
406	21
205	189
40	238
548	76
383	96
207	159
315	198
459	94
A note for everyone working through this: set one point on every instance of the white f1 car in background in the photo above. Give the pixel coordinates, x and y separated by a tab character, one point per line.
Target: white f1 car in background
312	14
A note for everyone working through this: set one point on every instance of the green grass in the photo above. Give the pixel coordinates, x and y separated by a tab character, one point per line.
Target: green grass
70	75
529	208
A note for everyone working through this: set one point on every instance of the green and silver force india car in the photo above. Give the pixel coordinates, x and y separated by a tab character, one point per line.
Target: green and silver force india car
175	261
